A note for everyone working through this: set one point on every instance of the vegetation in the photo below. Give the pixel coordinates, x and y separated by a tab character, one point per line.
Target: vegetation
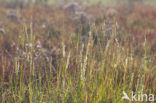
48	57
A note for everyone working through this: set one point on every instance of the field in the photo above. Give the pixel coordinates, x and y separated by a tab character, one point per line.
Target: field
52	54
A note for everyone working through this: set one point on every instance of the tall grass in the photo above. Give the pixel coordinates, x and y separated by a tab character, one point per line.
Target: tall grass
84	72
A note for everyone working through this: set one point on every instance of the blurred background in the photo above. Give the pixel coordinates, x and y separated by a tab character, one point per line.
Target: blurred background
83	2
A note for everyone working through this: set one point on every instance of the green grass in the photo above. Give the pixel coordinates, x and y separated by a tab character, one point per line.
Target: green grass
85	73
54	65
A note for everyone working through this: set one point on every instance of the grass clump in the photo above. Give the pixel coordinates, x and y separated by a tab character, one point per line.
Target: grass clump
57	66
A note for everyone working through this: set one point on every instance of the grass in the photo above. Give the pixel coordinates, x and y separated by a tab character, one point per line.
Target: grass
38	66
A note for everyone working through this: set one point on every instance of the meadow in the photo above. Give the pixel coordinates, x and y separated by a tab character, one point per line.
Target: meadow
51	54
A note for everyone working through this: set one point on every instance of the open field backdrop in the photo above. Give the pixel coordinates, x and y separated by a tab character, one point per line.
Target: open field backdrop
77	52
